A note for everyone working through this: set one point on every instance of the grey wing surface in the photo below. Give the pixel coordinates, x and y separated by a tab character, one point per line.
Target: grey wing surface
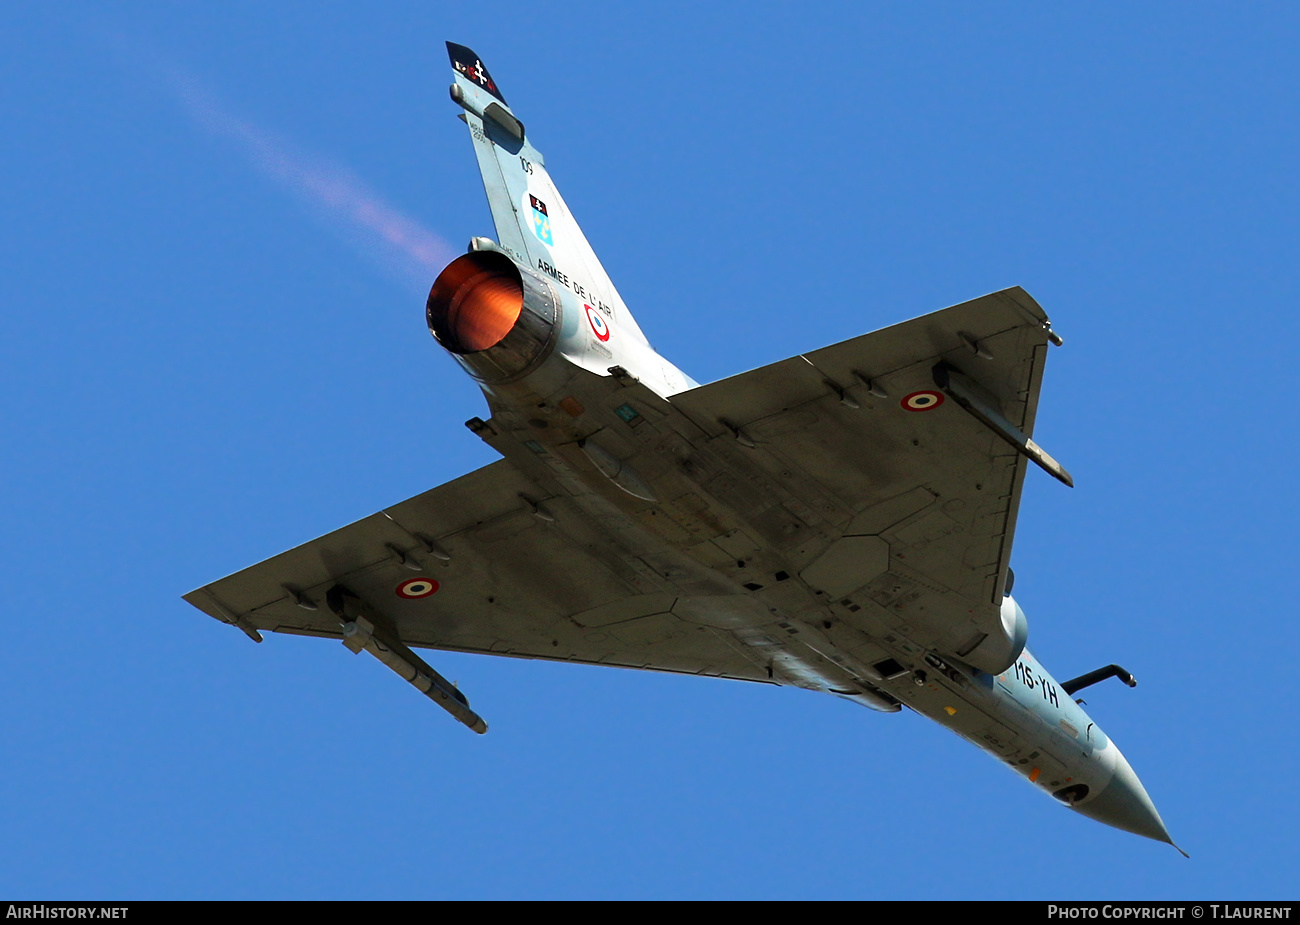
508	582
918	434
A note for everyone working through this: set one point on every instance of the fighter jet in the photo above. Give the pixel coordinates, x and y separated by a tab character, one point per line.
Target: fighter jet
840	521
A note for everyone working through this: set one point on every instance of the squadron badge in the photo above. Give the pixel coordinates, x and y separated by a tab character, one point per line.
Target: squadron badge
541	221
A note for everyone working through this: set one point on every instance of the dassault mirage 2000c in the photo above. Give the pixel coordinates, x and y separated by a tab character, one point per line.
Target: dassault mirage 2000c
839	521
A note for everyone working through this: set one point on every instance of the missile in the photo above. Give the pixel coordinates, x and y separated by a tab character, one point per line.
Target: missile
361	634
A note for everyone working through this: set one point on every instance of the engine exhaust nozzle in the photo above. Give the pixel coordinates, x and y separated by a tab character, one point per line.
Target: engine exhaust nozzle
500	321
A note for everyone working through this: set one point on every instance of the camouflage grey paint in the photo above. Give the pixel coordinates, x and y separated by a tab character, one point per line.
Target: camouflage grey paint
839	521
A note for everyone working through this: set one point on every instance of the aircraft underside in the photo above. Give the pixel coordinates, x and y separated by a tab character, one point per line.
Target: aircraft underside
839	521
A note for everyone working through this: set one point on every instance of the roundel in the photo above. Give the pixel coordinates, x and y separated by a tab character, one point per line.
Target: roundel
922	401
417	588
598	323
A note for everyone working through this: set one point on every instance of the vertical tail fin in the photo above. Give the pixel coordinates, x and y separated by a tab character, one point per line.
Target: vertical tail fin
533	223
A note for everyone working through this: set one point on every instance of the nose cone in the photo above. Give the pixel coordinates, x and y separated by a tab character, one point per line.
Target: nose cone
1124	804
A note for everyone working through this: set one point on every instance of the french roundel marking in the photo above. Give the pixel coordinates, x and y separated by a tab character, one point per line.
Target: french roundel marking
922	401
416	588
598	323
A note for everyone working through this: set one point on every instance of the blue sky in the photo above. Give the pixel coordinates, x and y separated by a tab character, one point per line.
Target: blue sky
218	226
